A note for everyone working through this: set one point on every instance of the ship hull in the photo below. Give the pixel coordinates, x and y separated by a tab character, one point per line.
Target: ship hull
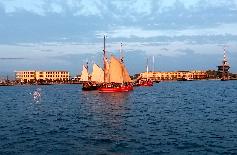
88	86
115	89
224	79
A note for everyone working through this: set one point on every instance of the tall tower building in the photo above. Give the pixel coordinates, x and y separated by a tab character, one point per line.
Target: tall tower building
223	69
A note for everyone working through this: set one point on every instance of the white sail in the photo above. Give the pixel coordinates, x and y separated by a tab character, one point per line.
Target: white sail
97	74
84	74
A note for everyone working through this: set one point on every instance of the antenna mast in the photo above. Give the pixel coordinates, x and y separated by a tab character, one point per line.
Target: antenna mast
104	47
223	69
121	53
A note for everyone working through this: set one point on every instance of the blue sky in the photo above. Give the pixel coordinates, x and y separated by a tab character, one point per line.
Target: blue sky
64	34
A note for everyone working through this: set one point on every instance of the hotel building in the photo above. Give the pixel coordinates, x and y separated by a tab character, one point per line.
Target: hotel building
187	75
31	76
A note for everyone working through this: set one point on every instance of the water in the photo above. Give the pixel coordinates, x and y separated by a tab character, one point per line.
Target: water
196	117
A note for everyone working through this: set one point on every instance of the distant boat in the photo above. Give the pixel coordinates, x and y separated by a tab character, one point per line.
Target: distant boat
97	78
116	76
145	82
181	79
6	84
184	79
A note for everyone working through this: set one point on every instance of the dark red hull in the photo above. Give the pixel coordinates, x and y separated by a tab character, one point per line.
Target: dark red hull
115	89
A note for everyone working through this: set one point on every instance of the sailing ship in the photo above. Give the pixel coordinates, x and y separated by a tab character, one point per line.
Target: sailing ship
223	69
87	83
145	82
116	76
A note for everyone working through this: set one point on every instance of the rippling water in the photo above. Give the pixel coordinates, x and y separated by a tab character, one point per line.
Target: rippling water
198	117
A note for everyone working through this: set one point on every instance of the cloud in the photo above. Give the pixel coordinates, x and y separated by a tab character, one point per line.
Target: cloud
12	6
41	21
45	29
11	58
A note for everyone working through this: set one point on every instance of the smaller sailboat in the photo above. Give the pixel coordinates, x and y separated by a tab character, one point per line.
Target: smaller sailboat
87	84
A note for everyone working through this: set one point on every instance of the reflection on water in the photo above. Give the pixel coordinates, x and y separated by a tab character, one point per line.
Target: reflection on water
196	117
108	110
36	94
109	98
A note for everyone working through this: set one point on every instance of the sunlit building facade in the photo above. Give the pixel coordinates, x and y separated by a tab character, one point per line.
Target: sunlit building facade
30	76
187	75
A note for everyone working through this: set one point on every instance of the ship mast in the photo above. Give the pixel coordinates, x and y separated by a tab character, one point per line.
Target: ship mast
121	60
87	65
223	66
121	53
104	58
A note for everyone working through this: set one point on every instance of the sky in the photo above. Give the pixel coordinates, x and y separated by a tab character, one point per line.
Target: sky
64	34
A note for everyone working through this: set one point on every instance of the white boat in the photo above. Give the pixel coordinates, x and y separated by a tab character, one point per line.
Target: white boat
84	74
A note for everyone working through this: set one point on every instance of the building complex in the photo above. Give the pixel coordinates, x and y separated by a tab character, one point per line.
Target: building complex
177	75
32	76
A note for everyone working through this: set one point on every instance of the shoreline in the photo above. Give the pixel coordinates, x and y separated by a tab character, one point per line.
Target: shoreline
47	84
